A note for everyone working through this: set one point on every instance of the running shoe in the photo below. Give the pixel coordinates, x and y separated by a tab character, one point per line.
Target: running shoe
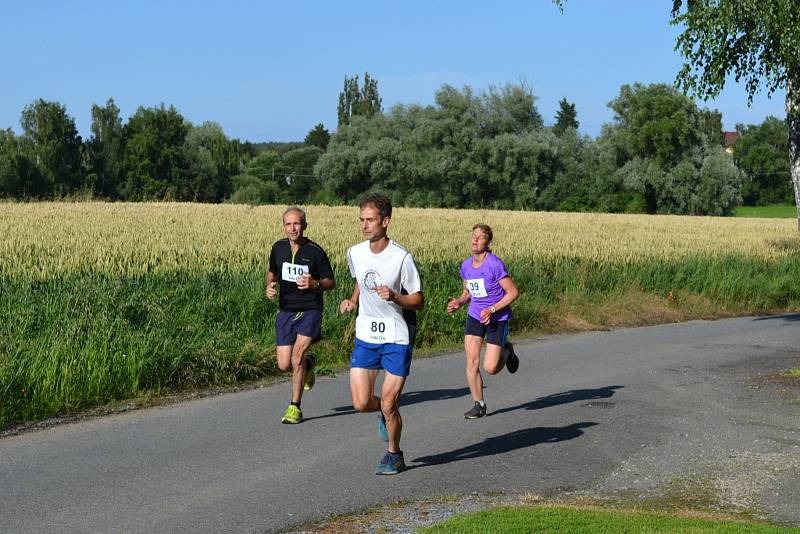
391	464
292	415
476	411
382	427
311	376
512	362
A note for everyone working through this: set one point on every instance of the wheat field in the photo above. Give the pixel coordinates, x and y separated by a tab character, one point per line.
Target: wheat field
102	302
49	240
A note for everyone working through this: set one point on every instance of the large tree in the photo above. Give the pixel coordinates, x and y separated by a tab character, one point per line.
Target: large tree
318	136
155	161
467	150
566	117
212	161
762	152
19	178
104	149
663	152
362	101
53	145
756	41
656	122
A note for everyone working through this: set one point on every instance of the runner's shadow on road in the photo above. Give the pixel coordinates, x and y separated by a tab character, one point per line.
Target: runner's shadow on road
414	397
565	397
519	439
411	397
341	410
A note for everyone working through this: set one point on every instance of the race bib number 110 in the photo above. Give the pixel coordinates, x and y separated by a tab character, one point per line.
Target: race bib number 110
290	272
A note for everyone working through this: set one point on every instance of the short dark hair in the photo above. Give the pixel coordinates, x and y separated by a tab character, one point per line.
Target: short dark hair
379	202
486	229
291	209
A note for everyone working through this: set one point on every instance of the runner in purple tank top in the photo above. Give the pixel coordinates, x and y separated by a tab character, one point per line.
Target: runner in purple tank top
489	290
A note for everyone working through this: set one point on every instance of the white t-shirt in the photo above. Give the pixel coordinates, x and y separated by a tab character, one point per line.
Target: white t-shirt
381	321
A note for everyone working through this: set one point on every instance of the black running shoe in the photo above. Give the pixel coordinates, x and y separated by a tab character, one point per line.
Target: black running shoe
311	361
311	376
476	411
512	362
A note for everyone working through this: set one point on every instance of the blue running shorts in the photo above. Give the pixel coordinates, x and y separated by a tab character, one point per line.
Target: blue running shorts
391	357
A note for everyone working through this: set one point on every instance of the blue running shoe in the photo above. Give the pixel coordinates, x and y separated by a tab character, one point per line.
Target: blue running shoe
391	464
382	427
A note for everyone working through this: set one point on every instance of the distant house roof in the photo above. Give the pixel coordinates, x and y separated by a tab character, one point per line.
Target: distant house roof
729	138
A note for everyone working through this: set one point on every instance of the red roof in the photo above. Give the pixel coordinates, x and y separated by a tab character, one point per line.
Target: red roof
730	138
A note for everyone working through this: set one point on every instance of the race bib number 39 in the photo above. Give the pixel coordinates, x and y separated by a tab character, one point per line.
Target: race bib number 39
375	329
476	287
290	272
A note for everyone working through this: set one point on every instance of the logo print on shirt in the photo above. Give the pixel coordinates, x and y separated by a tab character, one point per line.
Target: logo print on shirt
371	280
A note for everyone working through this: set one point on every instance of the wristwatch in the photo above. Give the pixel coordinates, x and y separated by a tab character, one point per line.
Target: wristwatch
493	309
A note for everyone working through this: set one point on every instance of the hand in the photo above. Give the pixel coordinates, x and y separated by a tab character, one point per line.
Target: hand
486	315
305	282
452	306
346	306
385	293
271	292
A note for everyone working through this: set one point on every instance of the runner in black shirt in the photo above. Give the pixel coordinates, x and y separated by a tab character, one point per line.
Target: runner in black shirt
303	271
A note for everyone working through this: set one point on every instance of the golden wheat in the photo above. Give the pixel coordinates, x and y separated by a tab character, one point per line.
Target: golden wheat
45	240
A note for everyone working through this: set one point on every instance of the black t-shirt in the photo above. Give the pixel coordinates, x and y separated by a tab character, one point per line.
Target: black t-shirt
282	265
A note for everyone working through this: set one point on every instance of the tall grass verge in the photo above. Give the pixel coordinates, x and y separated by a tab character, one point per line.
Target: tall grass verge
70	342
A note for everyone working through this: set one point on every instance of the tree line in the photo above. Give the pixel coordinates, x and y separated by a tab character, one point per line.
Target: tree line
156	155
660	154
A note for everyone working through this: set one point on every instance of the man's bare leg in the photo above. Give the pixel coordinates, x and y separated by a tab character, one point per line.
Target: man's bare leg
362	389
390	407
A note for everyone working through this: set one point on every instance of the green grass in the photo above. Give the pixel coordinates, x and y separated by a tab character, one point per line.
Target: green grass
554	520
768	212
69	344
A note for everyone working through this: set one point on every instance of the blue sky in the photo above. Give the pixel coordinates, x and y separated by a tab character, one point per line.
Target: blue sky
269	71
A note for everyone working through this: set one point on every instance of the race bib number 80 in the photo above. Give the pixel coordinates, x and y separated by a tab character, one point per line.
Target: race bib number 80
375	329
290	272
476	287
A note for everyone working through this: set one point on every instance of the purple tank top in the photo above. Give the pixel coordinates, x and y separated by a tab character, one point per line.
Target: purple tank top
483	284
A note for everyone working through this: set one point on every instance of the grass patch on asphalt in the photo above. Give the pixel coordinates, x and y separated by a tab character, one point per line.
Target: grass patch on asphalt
566	519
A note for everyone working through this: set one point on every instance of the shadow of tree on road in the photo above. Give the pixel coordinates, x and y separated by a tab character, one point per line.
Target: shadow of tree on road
518	439
793	317
565	397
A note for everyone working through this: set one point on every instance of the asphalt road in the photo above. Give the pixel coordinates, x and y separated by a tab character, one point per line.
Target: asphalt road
627	410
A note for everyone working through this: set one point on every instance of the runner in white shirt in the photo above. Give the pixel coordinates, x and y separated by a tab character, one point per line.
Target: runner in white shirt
387	292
